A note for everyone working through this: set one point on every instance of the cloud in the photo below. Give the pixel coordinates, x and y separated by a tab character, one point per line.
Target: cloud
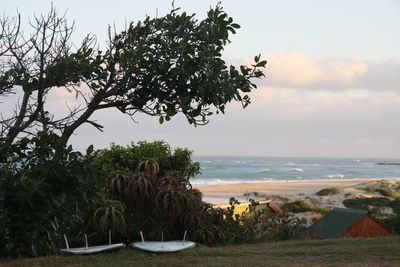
287	102
292	69
342	72
383	75
299	71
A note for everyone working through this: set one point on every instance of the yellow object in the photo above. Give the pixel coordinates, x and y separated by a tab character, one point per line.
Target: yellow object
243	207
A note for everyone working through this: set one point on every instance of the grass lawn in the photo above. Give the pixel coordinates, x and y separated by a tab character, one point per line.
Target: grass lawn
338	252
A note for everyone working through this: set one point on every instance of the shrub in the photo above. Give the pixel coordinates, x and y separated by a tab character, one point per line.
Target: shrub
44	190
109	214
393	223
47	190
328	191
347	195
386	192
126	159
156	199
364	203
383	191
225	226
303	206
279	198
278	228
367	189
297	206
395	205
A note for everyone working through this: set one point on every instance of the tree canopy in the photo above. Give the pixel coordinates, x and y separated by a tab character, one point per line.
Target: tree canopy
159	66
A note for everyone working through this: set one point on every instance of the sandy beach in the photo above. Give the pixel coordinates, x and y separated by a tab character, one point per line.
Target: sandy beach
220	194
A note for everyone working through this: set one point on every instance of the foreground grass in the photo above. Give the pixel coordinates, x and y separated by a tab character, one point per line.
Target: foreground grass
339	252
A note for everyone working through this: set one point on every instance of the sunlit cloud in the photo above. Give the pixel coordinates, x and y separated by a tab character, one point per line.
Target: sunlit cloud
292	69
290	102
299	71
343	72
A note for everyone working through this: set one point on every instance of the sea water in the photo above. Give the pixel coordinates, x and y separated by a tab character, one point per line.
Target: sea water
223	170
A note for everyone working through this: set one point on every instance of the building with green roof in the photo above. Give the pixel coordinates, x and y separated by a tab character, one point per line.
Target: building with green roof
341	222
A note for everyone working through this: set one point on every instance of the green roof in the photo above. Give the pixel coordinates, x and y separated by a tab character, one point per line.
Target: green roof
336	222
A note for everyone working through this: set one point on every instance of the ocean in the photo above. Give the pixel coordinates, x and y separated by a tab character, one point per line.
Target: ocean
223	170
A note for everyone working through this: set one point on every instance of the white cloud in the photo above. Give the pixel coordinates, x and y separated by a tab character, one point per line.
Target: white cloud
297	70
343	72
293	69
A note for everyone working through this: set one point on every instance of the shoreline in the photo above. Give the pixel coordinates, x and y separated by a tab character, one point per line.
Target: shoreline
220	194
233	182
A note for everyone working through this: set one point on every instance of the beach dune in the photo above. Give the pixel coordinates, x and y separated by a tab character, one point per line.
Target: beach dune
220	194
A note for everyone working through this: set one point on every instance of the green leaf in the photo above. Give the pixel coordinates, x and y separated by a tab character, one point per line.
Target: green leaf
89	150
235	25
231	30
261	63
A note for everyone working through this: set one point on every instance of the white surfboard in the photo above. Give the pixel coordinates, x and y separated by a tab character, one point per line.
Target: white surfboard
163	246
91	249
166	246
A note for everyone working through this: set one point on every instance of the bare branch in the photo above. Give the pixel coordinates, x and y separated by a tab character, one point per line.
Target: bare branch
96	125
24	61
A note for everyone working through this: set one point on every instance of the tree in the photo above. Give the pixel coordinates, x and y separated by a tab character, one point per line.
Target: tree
24	66
158	66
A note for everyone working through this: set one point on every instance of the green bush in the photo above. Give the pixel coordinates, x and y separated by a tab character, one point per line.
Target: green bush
328	191
47	190
395	205
278	228
364	203
44	190
303	206
223	226
152	183
120	158
386	192
297	206
393	223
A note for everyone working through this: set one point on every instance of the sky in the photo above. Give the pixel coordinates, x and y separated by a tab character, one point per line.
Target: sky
332	86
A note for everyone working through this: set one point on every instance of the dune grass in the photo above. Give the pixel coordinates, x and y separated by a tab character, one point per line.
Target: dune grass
328	191
303	205
338	252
